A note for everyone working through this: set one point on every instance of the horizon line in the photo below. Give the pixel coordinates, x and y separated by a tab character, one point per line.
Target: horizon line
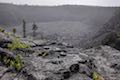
58	5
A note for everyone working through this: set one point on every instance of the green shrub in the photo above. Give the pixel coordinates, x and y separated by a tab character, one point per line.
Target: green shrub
16	44
17	63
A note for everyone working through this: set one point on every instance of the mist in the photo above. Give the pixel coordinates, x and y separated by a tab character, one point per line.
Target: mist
65	2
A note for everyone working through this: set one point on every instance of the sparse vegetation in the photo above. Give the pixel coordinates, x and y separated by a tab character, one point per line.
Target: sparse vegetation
16	44
43	54
34	29
24	29
14	62
10	62
17	63
97	76
14	30
1	29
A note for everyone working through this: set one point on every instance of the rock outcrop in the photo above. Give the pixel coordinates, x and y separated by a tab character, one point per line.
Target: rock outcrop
51	60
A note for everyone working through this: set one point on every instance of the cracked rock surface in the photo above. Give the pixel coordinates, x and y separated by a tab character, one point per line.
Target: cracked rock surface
51	60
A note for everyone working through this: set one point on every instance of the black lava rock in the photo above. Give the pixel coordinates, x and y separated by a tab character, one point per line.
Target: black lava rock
31	77
66	74
48	78
74	68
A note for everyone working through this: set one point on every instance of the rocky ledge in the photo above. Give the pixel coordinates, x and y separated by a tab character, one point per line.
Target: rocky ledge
51	60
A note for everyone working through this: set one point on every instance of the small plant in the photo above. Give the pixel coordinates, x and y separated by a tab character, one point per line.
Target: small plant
43	54
8	34
17	63
97	76
34	29
24	29
17	44
1	29
14	30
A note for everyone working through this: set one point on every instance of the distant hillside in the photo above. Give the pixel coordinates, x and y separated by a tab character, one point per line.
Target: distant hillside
111	27
83	26
14	14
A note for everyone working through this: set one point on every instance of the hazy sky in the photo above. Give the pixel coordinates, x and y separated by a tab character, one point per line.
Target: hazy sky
61	2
